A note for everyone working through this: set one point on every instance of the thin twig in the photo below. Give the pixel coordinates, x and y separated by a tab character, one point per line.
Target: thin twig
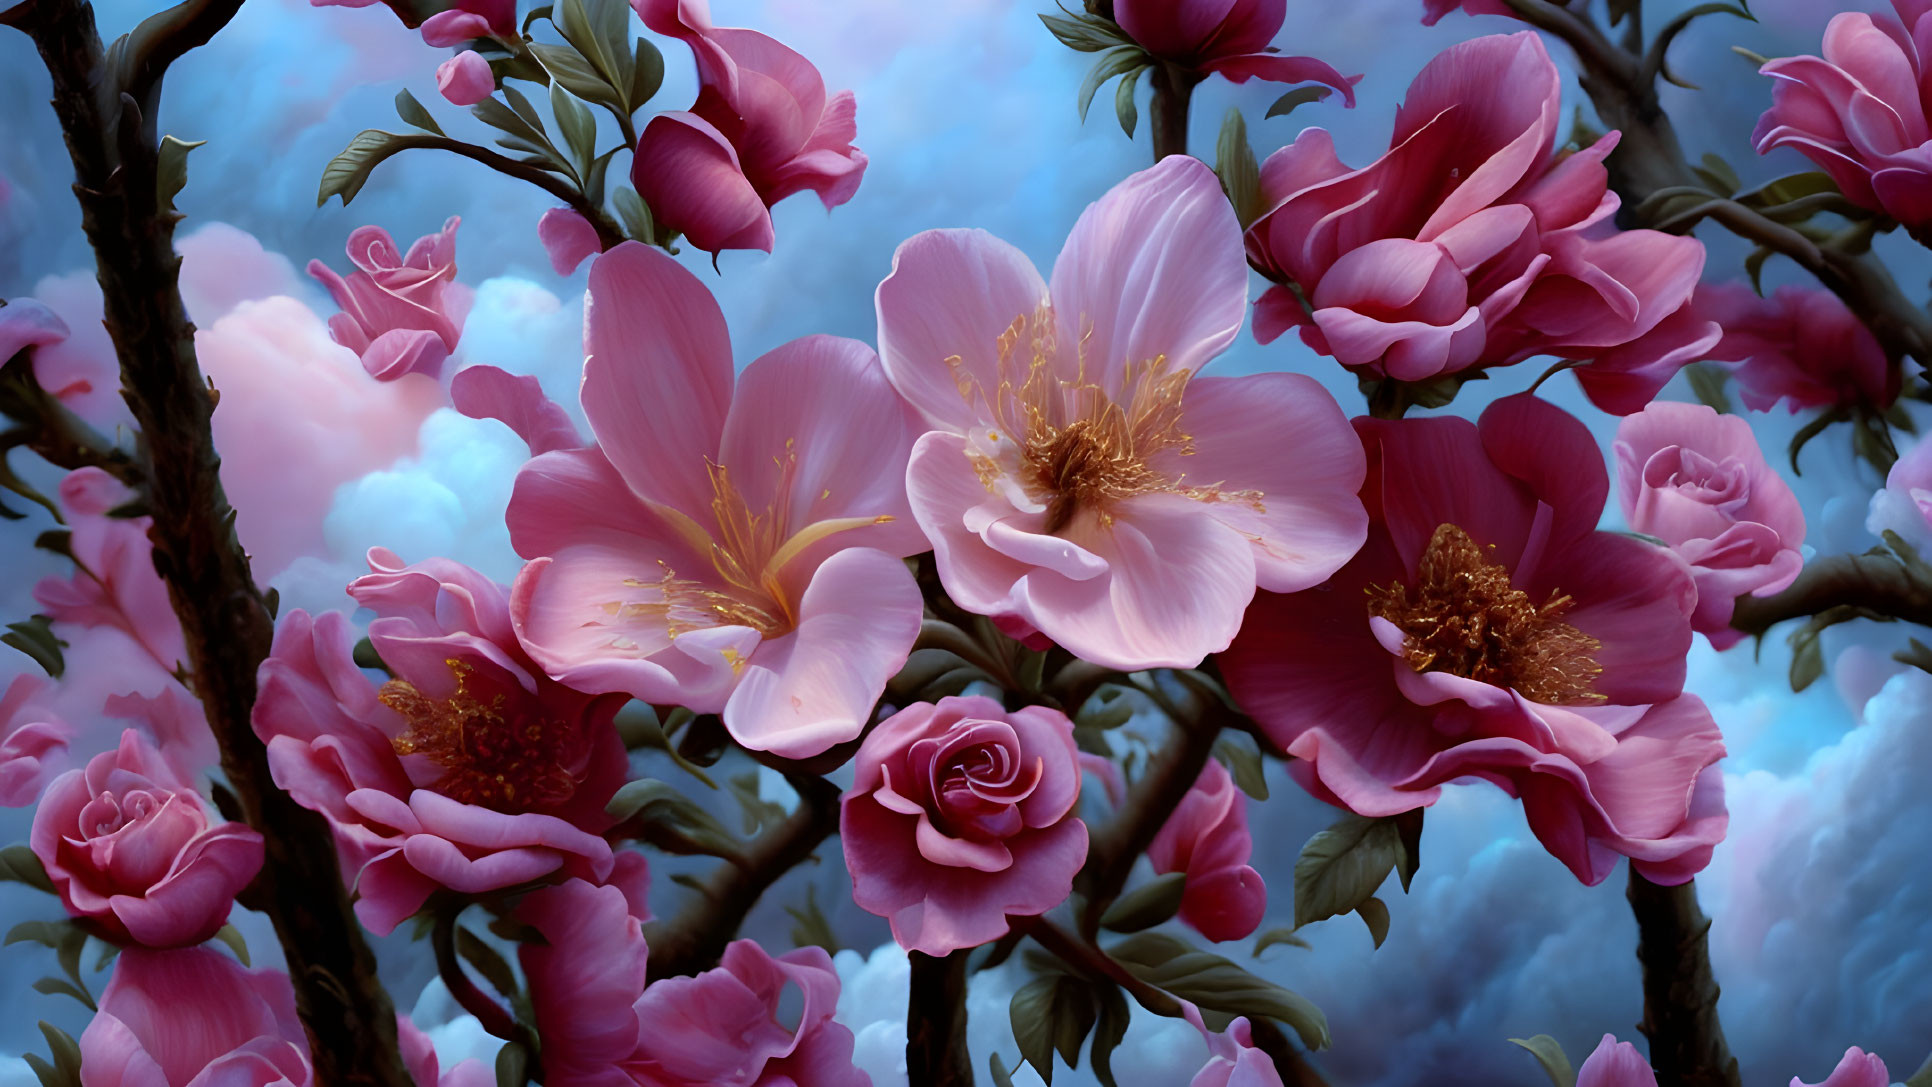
608	232
489	1014
1088	957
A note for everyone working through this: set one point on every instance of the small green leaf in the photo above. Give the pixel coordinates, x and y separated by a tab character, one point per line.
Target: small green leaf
1376	916
1298	97
1001	1078
579	128
1243	760
647	74
1408	832
1342	866
1240	174
35	638
1220	988
1109	707
1707	384
487	961
230	935
1809	431
1549	1054
1275	936
1051	1013
809	925
18	864
64	1070
1807	657
59	987
1922	1077
413	113
512	1065
569	69
670	821
1119	62
635	214
171	167
1124	108
346	173
1153	902
1085	33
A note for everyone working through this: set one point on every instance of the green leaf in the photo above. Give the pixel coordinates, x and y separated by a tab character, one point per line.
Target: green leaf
1707	384
64	1071
758	811
413	113
1051	1013
1714	171
1549	1054
1108	1032
670	821
35	638
1298	97
1085	33
346	173
1124	108
635	214
1108	707
1809	431
600	30
1754	267
1918	656
1922	1077
1408	832
18	864
60	987
1221	989
1376	916
1807	657
647	75
487	961
1240	174
1342	866
1119	62
809	925
521	105
171	168
45	933
1786	189
1275	936
998	1068
1243	760
230	935
542	11
1147	905
512	1065
579	128
568	68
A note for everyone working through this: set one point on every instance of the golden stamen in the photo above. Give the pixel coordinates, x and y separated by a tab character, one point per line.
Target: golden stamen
490	756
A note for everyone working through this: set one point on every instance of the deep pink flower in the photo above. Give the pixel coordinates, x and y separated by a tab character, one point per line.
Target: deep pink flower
568	239
1859	112
1470	244
517	401
762	129
470	19
1230	37
465	79
470	769
1697	481
132	849
585	978
728	551
959	814
116	584
33	741
1856	1068
403	312
1207	838
1615	1064
1078	479
1801	345
1488	630
194	1018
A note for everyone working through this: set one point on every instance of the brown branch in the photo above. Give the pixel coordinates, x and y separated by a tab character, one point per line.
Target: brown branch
1874	583
351	1023
936	1053
1687	1046
165	37
1085	955
694	939
608	232
1173	92
48	428
1293	1067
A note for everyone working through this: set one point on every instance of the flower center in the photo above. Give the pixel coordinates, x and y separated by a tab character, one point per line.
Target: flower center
493	758
1464	617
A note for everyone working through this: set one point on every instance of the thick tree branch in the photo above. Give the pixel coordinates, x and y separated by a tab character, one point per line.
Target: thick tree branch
1875	583
351	1023
1687	1046
936	1053
694	939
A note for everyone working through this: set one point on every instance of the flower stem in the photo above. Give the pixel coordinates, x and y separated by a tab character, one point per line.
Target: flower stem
1173	91
1687	1046
936	1050
478	1003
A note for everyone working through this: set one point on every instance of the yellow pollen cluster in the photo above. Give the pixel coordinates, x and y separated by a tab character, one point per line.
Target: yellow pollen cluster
491	757
1465	618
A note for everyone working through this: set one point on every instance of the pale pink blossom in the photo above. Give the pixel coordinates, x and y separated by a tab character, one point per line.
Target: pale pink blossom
763	128
173	718
1856	1068
1859	111
194	1018
464	79
27	323
1487	629
1471	244
733	550
114	584
132	849
1802	346
470	770
1615	1064
960	814
1228	37
568	239
1233	1059
1078	479
1207	838
1698	481
403	312
1904	505
33	741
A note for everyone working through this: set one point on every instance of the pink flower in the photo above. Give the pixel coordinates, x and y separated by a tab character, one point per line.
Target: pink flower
403	313
518	402
1697	481
762	129
568	239
1207	838
1801	345
132	849
1488	630
470	19
1905	505
732	552
1859	112
1436	9
193	1018
419	1057
1856	1068
585	976
1234	1060
116	584
959	814
173	718
1078	480
1227	36
26	323
33	741
465	79
1615	1064
1469	244
470	769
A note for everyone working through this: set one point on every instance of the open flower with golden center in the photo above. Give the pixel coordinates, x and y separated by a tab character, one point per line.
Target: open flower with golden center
1078	479
1488	630
734	550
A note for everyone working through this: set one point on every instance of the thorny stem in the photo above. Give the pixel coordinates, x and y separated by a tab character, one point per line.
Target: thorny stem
1687	1046
111	139
489	1014
1873	583
60	437
936	1052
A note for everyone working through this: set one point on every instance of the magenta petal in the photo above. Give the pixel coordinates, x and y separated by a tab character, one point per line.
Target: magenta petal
568	239
689	174
1615	1064
518	401
1273	68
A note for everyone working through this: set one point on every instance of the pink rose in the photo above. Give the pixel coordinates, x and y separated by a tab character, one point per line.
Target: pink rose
115	584
959	814
470	769
1230	37
1615	1064
194	1018
1207	838
1488	630
1234	1060
1395	272
731	547
1078	479
1856	1068
132	849
33	741
1859	112
465	79
403	313
1697	481
762	129
1801	345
